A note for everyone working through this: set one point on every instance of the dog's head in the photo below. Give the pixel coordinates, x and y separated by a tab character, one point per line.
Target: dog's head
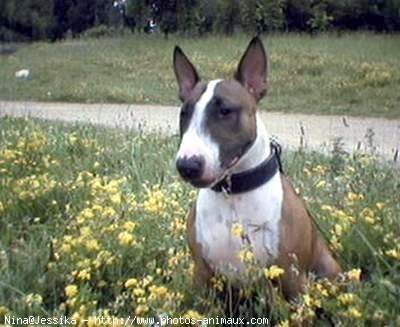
218	118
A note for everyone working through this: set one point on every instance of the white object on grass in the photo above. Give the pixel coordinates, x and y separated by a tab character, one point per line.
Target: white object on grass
23	73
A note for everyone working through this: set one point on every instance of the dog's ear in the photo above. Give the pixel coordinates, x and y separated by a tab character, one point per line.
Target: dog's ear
186	74
253	68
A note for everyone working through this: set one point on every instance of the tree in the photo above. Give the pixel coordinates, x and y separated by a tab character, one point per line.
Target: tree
137	15
166	15
185	16
205	16
32	19
228	15
61	8
391	14
258	16
298	14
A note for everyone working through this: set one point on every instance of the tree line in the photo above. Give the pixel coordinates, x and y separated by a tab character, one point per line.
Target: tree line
56	19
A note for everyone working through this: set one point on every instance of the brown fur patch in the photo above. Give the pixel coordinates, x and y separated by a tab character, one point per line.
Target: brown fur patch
301	248
231	120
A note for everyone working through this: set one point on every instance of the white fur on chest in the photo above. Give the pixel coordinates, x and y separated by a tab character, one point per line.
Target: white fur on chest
258	211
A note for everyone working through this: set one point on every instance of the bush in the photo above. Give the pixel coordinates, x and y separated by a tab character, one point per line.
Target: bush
260	15
99	31
8	35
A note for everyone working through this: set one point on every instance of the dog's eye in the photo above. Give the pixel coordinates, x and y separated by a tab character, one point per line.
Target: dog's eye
223	111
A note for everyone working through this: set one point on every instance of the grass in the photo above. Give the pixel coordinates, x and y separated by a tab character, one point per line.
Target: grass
92	222
353	74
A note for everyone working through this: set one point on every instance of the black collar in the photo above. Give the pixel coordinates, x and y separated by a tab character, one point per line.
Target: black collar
251	179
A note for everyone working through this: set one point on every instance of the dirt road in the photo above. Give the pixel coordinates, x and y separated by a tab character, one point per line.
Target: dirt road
293	130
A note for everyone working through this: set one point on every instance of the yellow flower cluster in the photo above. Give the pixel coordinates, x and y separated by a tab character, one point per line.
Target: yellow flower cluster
246	256
4	311
156	201
71	291
32	187
322	293
273	272
394	253
36	142
375	74
237	230
145	294
117	252
33	299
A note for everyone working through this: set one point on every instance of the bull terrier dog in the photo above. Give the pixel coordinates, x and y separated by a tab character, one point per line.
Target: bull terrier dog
226	152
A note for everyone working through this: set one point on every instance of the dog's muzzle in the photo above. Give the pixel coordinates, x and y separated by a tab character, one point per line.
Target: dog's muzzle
191	169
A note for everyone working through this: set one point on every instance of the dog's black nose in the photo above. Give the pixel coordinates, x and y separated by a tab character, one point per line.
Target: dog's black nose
190	168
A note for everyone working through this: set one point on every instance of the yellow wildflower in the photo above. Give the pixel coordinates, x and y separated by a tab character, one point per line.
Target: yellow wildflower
307	299
320	184
246	256
138	292
217	283
335	243
132	202
129	226
338	229
92	244
273	272
310	302
109	212
192	314
367	212
158	291
326	207
321	289
4	311
354	274
132	282
141	300
66	248
354	313
71	290
83	274
394	253
380	205
370	219
86	232
284	323
141	309
116	198
156	201
72	138
237	229
320	169
147	280
9	154
347	298
353	197
33	299
125	238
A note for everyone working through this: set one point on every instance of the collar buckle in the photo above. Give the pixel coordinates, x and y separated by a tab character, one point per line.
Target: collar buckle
253	178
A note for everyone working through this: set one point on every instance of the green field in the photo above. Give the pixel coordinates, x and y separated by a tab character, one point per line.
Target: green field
92	222
352	74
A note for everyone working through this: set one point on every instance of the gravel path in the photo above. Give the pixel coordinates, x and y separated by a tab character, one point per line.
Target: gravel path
293	130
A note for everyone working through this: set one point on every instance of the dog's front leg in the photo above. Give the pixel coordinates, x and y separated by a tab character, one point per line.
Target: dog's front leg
293	283
202	273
